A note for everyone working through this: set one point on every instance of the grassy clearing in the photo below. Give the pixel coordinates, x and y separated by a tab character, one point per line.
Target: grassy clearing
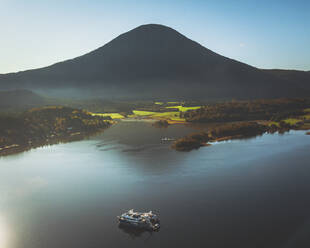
292	121
307	117
184	109
173	116
112	115
307	110
142	113
273	123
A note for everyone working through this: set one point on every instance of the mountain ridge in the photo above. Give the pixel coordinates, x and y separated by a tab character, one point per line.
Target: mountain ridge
156	60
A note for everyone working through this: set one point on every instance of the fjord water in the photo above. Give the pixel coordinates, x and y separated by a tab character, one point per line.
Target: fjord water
241	193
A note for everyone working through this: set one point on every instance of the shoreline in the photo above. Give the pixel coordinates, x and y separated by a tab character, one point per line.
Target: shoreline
47	126
229	131
17	148
187	143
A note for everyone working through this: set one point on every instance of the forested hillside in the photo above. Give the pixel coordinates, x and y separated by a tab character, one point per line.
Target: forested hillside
46	126
271	109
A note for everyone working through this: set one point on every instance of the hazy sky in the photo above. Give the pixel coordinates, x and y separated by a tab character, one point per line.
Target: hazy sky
263	33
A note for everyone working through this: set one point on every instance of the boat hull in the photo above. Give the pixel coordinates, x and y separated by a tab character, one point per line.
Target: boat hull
138	225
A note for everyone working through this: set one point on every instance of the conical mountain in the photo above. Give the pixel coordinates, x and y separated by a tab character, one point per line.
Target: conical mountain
154	61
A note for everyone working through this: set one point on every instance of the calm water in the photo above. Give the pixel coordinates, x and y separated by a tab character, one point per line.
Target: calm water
248	193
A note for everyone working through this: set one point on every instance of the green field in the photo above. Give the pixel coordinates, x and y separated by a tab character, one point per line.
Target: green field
307	110
112	115
174	116
184	109
307	117
274	123
292	121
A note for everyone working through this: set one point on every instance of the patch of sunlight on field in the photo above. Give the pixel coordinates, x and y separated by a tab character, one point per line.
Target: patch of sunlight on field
292	121
173	102
177	118
143	113
307	117
273	123
4	238
175	115
159	103
112	115
184	109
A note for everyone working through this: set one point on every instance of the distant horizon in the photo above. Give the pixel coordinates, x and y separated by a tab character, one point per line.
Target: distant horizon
266	35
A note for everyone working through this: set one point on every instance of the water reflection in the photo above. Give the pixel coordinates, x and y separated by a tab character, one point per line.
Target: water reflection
136	232
141	135
243	192
141	145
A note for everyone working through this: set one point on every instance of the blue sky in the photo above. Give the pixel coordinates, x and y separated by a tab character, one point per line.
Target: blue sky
265	34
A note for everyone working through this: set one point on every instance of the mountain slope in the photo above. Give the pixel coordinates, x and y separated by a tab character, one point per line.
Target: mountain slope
19	98
154	61
301	78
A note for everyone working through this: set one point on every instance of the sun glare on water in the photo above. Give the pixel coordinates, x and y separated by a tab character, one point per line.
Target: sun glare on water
3	234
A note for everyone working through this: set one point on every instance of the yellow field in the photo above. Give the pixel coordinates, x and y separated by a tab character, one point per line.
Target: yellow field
171	117
273	123
292	121
143	113
184	109
174	116
112	115
307	117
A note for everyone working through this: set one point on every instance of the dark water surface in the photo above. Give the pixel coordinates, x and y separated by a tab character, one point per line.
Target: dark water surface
242	193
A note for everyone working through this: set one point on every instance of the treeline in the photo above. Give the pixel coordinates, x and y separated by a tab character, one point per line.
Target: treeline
229	131
46	125
274	109
222	132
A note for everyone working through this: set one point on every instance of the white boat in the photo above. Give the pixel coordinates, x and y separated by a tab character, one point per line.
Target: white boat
148	220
